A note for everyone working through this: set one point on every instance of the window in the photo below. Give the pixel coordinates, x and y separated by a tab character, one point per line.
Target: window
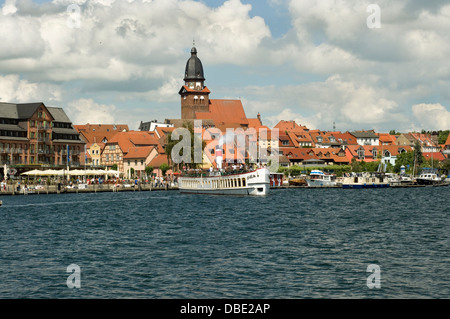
142	162
112	147
107	157
117	157
361	154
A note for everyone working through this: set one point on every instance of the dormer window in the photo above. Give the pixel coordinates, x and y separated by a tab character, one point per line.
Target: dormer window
361	154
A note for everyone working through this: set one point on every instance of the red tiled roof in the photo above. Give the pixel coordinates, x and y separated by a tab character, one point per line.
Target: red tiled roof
437	156
387	138
127	140
290	126
139	152
159	160
345	138
95	133
225	113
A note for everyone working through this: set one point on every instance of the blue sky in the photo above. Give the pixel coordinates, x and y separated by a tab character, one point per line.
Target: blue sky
315	62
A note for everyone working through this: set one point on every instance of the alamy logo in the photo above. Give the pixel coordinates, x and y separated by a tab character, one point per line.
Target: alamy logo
374	280
74	280
74	19
374	20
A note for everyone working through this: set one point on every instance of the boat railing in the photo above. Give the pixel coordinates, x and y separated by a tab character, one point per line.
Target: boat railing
215	173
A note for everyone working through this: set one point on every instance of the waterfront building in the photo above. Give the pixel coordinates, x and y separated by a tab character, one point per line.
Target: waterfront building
427	142
118	147
96	136
387	154
34	135
137	159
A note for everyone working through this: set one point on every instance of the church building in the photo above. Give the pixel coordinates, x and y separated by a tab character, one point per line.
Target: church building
197	105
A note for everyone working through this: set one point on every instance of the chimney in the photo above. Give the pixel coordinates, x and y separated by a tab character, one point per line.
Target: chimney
259	118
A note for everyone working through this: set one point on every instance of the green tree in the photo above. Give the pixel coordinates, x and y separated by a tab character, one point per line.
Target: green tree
149	170
164	168
194	139
442	136
418	156
404	159
445	166
114	167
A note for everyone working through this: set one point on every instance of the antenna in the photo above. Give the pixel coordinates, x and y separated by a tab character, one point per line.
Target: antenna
334	126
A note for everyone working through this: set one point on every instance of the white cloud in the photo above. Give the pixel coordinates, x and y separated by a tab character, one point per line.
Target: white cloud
16	90
9	7
432	116
288	114
332	67
84	111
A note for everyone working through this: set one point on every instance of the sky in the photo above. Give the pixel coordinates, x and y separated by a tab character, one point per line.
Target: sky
342	64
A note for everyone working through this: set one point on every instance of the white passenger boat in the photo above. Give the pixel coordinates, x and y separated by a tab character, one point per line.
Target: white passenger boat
255	182
318	178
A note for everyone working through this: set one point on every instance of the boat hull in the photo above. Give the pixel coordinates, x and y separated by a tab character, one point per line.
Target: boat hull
320	183
360	186
423	181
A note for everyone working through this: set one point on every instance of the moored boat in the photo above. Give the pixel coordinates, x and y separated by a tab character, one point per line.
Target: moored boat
318	178
255	182
365	180
427	178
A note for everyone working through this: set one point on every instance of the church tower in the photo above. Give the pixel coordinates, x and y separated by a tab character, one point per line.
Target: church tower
194	93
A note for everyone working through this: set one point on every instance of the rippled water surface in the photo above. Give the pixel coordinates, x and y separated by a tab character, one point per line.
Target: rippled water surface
294	243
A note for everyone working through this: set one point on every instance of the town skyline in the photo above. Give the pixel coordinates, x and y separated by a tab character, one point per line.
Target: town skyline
286	60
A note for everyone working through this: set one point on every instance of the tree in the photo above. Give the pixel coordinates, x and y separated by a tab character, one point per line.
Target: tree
114	167
164	168
404	159
148	170
418	156
193	141
442	136
445	165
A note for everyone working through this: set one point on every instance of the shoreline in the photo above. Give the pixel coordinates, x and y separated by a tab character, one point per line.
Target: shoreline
148	188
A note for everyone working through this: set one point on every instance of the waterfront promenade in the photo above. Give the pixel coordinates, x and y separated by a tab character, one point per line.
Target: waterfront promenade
95	188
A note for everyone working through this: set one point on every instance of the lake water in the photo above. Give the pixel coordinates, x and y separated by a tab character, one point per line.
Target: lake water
294	243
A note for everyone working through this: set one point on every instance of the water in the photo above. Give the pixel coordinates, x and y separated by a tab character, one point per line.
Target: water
294	243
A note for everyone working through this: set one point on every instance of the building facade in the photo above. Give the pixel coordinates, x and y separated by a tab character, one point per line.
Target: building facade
33	134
